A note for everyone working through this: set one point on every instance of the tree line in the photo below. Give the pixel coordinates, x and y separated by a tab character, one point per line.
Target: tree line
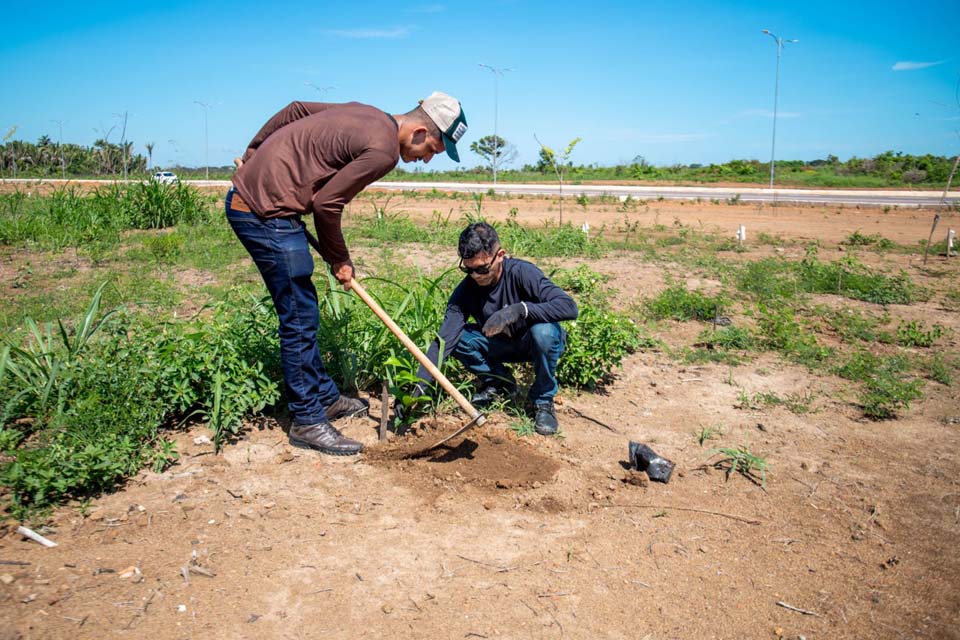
46	158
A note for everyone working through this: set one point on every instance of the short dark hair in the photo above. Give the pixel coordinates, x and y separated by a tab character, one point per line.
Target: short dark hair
478	238
419	116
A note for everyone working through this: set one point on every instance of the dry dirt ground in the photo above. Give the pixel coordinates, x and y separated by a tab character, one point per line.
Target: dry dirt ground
854	535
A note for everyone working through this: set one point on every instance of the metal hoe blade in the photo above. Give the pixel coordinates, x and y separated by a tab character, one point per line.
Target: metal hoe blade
479	419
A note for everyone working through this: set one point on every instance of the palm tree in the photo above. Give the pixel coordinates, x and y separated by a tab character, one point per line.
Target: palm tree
149	147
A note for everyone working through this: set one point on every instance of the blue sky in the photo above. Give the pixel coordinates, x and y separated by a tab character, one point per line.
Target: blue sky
672	82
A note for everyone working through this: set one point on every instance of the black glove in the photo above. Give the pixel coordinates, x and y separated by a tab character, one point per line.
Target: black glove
505	321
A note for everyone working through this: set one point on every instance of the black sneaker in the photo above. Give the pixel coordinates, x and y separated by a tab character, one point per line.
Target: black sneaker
323	437
346	407
492	394
545	419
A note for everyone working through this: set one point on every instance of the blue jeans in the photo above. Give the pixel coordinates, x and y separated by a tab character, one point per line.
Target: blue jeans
542	344
279	248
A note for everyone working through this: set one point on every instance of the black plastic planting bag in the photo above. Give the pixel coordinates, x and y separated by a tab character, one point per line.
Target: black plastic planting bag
643	458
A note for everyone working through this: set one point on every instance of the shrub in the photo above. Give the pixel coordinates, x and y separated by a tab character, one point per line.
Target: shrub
85	403
914	333
885	388
599	338
781	331
597	343
678	303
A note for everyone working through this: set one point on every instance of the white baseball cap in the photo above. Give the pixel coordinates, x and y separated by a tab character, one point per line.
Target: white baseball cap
447	114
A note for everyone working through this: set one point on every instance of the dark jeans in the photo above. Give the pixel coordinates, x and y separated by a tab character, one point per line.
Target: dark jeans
542	345
279	248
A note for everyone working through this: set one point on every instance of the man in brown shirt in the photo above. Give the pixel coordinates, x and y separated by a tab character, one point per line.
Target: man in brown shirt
313	158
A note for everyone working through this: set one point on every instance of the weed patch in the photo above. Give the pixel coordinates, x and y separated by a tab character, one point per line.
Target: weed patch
775	278
678	303
780	331
885	388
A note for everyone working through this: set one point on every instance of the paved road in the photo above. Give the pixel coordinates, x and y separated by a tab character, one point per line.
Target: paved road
884	198
745	194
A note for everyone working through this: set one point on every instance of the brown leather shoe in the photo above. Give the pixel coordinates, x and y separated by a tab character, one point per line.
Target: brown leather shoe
346	407
323	437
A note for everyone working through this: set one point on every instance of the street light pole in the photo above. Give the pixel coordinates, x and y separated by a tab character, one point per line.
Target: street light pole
123	141
206	143
63	165
776	90
497	72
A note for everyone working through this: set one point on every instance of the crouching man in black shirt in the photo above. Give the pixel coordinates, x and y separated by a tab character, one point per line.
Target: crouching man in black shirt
515	310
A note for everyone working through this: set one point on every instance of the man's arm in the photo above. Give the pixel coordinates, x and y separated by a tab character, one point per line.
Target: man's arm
290	113
537	300
553	304
329	200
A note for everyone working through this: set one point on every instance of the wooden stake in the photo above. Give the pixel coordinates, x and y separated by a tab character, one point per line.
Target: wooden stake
384	404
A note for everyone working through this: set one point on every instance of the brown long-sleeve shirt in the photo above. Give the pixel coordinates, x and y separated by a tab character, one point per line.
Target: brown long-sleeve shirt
315	157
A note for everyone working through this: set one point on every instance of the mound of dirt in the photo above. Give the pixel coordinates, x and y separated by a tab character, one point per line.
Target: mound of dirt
488	457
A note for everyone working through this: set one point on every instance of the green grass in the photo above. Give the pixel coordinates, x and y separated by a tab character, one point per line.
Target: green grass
773	279
853	325
799	403
69	218
708	433
522	425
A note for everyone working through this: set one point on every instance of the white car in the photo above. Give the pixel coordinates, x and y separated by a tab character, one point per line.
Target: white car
166	177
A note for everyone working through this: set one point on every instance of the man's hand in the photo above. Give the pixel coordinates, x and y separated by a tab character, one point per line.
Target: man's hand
343	272
505	320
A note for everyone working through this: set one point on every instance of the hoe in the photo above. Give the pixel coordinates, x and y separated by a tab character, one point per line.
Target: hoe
476	417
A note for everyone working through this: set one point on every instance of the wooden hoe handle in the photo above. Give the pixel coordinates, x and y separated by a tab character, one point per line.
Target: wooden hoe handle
417	353
476	417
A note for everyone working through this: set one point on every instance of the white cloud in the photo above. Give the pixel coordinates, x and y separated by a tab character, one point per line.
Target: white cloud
364	33
913	66
766	113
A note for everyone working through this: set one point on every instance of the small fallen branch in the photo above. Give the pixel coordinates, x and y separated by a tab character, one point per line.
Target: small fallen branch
593	420
797	609
499	568
658	506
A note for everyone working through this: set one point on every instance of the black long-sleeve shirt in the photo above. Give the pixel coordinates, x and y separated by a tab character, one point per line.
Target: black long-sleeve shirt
520	281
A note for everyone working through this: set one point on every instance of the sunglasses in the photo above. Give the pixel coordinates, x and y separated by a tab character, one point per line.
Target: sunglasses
480	271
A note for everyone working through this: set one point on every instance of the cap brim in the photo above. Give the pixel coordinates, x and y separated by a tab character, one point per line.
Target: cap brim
451	147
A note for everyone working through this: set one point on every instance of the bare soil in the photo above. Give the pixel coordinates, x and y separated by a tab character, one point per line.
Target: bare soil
853	534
